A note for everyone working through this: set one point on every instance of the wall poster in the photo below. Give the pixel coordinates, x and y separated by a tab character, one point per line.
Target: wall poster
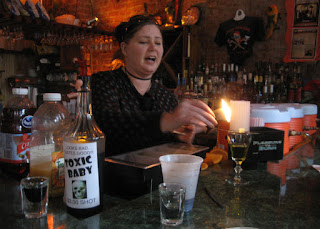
306	13
302	36
303	43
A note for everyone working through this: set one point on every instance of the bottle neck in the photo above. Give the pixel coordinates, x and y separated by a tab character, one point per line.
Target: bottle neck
85	103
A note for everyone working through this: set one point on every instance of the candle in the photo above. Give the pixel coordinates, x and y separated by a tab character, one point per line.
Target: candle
240	115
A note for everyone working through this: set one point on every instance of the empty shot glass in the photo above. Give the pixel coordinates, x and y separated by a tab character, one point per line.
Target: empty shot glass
172	200
34	192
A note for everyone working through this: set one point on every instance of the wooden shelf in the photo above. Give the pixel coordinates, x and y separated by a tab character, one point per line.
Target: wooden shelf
30	26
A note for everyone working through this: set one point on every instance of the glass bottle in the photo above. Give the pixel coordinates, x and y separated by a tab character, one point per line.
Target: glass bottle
84	153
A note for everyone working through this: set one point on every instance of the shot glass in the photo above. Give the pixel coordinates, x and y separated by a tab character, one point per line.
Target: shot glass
34	192
172	200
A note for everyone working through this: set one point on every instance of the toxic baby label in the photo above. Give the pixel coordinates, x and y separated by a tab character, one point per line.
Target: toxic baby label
81	175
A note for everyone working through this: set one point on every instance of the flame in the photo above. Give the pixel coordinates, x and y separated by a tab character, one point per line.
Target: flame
226	110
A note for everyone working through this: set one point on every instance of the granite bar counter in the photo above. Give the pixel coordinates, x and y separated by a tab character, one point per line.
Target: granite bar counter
281	194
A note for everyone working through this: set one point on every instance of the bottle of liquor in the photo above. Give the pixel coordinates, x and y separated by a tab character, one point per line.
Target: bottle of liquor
272	98
265	94
245	89
204	94
84	152
232	74
224	75
206	73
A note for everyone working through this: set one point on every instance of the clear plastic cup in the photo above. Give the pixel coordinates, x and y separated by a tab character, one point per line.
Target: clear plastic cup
183	169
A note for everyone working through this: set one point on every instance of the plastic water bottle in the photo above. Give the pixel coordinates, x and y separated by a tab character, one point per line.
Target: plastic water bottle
15	132
49	124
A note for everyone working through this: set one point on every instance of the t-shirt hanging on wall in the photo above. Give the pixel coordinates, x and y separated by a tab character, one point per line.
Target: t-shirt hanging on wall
239	37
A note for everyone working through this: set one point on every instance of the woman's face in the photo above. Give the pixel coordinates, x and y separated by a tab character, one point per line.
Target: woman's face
144	51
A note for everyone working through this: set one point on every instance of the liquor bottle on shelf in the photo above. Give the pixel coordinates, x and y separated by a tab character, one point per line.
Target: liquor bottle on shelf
224	75
257	89
283	89
232	74
245	87
84	153
204	94
191	82
206	73
272	98
265	94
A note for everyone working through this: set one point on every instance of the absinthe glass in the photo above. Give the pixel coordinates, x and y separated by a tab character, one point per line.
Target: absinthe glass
239	143
84	149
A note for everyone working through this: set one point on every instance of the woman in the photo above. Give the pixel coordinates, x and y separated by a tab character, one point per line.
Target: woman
130	107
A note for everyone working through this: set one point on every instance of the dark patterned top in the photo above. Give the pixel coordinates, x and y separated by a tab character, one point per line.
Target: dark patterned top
129	120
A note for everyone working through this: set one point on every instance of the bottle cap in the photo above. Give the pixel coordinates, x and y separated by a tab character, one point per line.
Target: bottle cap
52	97
20	91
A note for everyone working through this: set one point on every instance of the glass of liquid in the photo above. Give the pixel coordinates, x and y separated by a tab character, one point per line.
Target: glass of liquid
172	201
239	143
34	192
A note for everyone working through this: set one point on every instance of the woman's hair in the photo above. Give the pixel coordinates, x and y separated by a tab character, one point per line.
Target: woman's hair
126	30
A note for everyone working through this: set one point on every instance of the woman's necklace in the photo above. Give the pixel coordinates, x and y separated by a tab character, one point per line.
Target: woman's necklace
136	77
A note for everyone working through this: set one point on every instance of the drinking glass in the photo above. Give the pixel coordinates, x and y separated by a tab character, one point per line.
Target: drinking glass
239	143
34	192
172	201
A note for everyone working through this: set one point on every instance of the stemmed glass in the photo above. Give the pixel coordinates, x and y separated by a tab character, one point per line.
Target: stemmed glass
239	143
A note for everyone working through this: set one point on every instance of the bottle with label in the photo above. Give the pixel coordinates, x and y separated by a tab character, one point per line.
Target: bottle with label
15	127
84	152
49	124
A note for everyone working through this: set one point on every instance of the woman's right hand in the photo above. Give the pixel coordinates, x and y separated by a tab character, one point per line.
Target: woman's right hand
188	112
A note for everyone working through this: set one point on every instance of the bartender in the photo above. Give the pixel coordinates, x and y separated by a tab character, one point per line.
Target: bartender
130	107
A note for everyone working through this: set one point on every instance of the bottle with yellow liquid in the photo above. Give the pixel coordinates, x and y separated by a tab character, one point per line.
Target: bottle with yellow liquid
84	150
49	124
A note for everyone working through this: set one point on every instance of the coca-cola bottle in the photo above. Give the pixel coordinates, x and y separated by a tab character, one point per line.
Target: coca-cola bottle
15	128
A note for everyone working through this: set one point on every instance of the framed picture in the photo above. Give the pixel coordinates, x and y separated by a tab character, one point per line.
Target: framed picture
304	43
302	34
306	13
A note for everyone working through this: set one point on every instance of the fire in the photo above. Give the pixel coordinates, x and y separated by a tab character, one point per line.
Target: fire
226	110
